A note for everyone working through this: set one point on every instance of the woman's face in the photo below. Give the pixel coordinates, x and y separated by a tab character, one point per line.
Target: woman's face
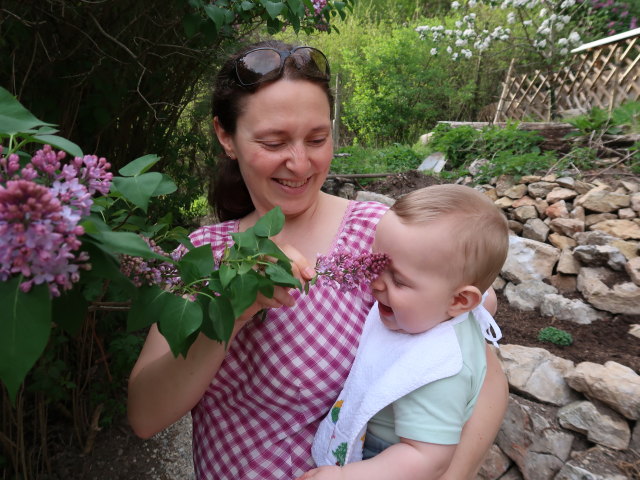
283	145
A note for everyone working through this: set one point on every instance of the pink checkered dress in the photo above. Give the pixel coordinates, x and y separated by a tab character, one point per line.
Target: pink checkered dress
280	377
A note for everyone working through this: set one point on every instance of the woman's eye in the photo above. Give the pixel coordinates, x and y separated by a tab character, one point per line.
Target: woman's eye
397	282
272	145
318	141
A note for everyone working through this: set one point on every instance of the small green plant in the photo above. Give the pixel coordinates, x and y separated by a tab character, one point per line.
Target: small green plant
555	336
595	120
458	144
583	158
510	163
627	117
508	138
635	158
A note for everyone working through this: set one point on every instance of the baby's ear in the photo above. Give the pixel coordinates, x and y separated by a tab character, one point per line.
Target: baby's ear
464	300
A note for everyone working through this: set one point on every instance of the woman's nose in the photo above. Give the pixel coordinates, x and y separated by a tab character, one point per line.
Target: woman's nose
298	160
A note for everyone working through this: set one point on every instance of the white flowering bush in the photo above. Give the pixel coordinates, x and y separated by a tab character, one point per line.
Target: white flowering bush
546	27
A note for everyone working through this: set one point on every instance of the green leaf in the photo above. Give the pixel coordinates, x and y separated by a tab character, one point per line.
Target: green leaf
270	223
221	320
60	143
244	291
25	324
281	277
247	5
190	24
177	317
196	264
104	266
265	286
128	243
215	284
267	247
143	312
14	118
227	274
166	186
273	8
297	7
69	310
216	14
139	165
139	189
246	240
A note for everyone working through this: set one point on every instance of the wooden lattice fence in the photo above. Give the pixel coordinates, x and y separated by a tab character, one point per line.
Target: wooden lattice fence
604	74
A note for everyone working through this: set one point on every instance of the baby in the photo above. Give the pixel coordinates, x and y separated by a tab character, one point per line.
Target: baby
421	359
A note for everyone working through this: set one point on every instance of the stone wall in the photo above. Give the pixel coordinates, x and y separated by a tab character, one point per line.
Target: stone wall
574	255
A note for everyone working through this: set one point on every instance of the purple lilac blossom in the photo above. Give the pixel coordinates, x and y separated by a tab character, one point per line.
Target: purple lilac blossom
36	240
318	5
343	270
40	208
150	272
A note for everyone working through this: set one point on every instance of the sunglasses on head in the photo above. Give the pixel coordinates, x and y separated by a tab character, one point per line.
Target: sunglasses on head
260	62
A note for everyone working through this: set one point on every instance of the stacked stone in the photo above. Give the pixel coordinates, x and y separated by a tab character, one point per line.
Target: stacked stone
587	235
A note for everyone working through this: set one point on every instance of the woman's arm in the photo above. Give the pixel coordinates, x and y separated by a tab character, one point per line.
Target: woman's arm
163	388
481	429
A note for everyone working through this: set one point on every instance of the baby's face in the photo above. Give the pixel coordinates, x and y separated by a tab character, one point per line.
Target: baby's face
415	292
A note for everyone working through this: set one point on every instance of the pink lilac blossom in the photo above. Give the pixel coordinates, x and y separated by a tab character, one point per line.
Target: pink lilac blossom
150	272
41	205
343	270
318	5
36	240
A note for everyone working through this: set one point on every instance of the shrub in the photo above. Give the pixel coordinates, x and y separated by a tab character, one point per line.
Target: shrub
458	144
555	336
508	138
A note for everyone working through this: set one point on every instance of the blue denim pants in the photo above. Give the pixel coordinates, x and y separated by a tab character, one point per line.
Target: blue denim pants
373	446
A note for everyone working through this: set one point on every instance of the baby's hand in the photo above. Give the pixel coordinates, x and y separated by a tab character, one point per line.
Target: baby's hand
329	472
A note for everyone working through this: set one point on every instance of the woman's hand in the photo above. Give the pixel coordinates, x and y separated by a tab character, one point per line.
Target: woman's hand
282	297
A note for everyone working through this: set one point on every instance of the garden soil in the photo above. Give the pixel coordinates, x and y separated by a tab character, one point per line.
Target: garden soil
118	455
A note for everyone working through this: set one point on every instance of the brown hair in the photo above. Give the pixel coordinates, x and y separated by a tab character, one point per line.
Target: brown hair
229	194
480	234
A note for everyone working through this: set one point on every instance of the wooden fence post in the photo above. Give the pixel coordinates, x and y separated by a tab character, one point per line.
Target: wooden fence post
505	87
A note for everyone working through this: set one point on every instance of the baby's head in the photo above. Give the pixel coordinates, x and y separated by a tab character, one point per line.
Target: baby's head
447	244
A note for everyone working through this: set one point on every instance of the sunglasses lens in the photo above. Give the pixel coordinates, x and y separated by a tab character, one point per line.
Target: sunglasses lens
320	60
315	58
255	64
258	63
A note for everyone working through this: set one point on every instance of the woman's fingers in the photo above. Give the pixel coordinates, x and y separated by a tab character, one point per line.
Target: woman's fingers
301	267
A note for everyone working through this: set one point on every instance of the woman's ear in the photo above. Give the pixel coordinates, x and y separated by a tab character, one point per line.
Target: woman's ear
225	139
464	300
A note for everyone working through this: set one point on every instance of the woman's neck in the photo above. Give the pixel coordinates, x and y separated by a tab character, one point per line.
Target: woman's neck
312	231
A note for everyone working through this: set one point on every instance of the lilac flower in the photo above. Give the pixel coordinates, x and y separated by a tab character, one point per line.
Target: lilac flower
8	166
36	241
41	205
93	173
341	269
318	5
150	272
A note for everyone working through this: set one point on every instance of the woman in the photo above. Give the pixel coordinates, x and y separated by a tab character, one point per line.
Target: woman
256	406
